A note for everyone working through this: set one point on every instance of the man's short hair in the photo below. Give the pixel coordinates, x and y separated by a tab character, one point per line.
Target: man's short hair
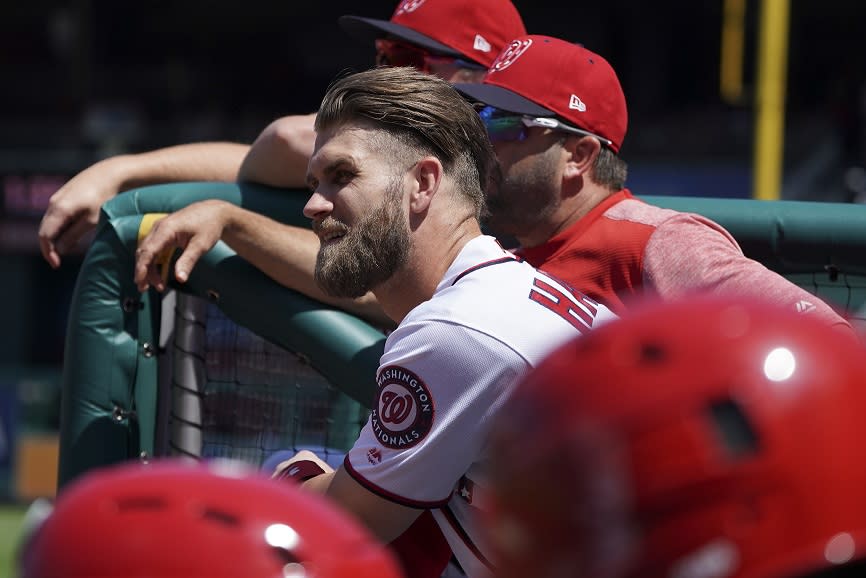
609	170
423	114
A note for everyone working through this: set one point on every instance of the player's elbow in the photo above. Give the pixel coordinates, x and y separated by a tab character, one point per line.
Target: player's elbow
292	135
280	154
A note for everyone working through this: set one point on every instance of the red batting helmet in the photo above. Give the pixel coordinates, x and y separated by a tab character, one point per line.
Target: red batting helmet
707	438
171	519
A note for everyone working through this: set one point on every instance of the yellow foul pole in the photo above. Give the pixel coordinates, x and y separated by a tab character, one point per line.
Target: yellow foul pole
770	112
733	42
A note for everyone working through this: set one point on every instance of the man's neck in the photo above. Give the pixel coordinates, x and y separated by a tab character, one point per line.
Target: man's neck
571	210
429	260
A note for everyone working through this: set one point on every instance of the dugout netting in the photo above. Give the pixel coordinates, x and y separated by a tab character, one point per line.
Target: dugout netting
236	395
847	292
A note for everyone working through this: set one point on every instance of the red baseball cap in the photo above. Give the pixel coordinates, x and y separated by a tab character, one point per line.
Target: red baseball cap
726	447
474	29
545	76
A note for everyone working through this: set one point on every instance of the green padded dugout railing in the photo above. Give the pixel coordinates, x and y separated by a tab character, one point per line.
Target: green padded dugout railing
787	236
109	405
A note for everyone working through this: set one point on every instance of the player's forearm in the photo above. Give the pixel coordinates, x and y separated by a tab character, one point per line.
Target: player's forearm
386	519
212	161
320	483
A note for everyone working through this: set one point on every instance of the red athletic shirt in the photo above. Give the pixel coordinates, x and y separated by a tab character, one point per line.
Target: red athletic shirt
625	248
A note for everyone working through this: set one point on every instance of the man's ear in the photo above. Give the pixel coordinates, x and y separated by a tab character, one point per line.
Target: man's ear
582	152
428	173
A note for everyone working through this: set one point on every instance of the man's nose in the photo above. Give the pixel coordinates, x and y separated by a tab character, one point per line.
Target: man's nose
318	206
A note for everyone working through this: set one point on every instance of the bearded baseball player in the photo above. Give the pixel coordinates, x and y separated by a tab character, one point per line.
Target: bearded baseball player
451	39
397	176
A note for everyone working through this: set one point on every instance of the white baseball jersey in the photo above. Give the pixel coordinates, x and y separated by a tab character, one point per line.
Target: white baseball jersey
444	374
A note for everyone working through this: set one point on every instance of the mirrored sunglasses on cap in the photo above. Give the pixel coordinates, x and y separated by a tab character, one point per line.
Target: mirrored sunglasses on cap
395	53
505	126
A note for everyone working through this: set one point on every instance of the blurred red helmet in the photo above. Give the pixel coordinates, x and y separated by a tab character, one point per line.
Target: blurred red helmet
707	438
171	519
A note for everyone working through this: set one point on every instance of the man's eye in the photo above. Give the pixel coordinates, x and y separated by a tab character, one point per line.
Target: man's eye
343	177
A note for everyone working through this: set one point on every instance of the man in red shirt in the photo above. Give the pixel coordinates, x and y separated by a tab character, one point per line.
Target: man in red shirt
557	116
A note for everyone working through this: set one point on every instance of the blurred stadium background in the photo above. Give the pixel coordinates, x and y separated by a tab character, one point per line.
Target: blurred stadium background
85	79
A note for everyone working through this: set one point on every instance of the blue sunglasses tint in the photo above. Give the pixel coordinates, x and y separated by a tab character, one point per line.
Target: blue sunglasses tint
503	126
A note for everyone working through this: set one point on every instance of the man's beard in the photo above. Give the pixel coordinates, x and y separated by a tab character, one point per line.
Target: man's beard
516	203
369	253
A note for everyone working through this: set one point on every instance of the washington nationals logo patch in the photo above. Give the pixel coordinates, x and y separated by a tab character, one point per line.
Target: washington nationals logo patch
403	413
511	53
409	6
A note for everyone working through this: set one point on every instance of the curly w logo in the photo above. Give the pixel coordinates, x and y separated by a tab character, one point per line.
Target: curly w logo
395	408
409	6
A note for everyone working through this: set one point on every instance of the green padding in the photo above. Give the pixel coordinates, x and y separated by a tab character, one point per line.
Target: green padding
344	349
108	411
787	236
282	205
103	361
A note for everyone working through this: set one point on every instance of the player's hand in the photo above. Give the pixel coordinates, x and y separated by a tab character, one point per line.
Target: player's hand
194	229
284	468
73	211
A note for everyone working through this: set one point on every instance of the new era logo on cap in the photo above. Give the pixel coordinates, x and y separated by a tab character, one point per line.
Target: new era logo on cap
544	76
576	104
481	44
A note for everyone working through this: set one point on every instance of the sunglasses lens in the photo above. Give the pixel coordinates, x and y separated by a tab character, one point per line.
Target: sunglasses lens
390	53
502	125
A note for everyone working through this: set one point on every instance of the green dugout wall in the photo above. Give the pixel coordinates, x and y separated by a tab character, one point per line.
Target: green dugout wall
109	403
